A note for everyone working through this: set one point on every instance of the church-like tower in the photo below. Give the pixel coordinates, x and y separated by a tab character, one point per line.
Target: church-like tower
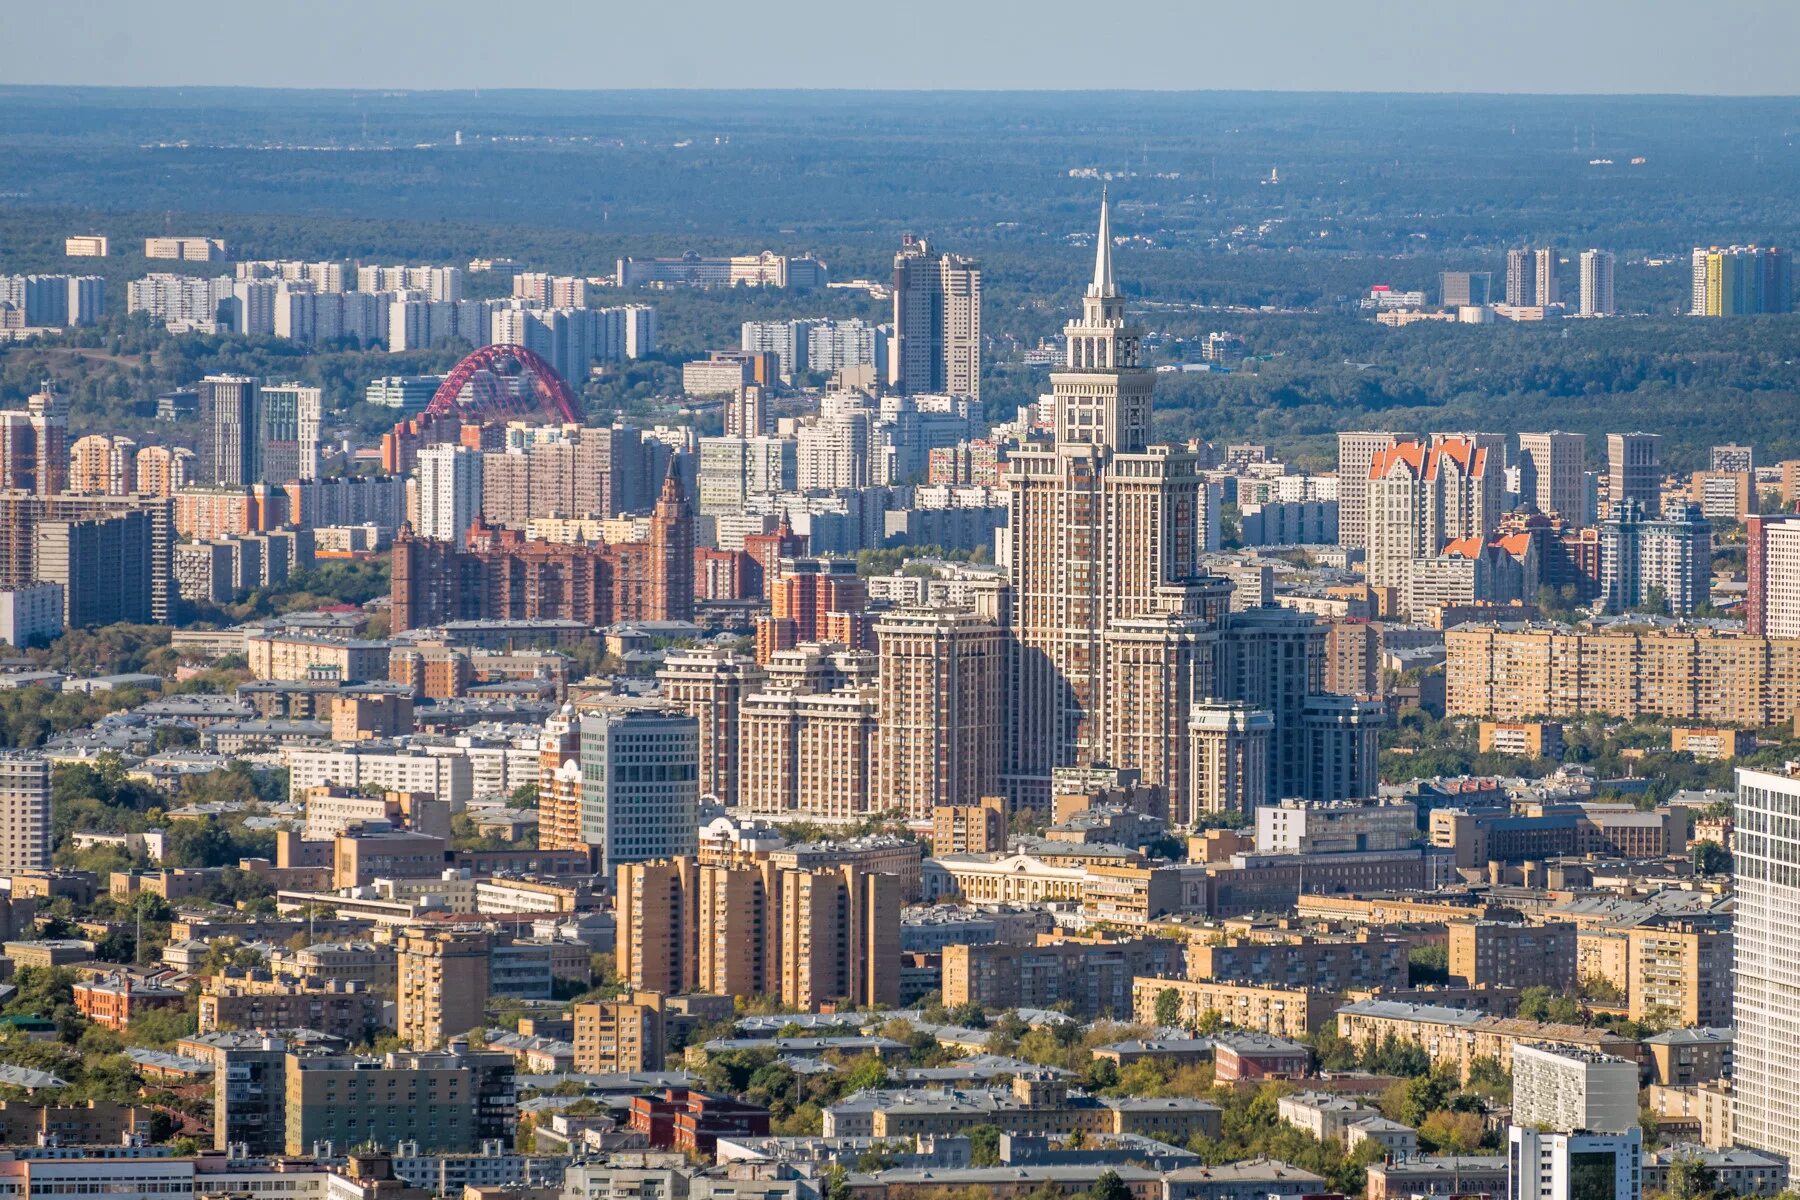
672	552
1100	521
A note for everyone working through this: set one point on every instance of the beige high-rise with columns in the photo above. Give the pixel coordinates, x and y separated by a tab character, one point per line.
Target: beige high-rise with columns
1098	522
940	720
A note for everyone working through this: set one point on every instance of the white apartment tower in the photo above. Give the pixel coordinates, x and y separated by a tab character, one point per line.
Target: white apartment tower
1520	278
449	491
1549	292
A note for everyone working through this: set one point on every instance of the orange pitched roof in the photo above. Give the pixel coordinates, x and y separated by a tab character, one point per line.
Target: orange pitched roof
1516	543
1410	453
1461	451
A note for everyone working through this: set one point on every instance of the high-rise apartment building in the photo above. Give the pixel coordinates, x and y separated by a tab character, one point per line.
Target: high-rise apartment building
710	683
1766	927
249	1091
100	465
1597	283
836	449
162	470
733	469
840	938
449	479
443	284
808	750
571	340
737	939
1772	596
1634	469
1735	281
1732	457
230	447
618	1036
833	346
1552	473
1272	658
1422	498
640	768
559	782
1642	557
1340	745
24	812
106	564
805	936
34	454
442	986
787	340
658	921
936	344
289	430
1099	522
1356	450
1521	280
1546	263
1158	665
1679	971
940	718
182	302
565	471
812	599
1228	760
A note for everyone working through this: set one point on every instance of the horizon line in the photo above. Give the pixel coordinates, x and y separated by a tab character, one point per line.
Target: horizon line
898	89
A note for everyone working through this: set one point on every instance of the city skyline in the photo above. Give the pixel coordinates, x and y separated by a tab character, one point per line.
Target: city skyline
1170	46
899	647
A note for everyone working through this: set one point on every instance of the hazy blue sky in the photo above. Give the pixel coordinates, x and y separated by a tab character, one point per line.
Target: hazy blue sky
1693	46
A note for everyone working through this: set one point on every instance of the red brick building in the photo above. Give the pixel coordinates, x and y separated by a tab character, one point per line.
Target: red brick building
501	575
693	1122
766	550
1242	1055
114	1002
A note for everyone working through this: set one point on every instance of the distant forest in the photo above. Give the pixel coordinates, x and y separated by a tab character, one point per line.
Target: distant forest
1366	189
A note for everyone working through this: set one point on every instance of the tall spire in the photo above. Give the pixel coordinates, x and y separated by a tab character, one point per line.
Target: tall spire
1103	284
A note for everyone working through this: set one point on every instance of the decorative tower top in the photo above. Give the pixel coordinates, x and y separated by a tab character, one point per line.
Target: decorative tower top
1103	392
672	492
1103	285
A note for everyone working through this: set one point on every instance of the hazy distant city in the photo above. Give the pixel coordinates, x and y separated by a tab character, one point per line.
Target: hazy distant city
809	645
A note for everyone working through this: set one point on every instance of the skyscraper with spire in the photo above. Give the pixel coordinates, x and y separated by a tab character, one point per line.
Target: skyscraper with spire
1103	526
